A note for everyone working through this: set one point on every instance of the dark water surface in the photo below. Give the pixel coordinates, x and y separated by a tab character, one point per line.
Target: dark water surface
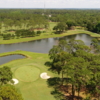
43	45
6	59
40	46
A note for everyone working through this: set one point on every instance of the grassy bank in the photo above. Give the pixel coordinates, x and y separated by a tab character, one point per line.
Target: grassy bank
70	32
19	52
49	33
31	90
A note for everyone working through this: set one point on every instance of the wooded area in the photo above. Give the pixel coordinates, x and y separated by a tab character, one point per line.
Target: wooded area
78	67
7	88
13	20
33	17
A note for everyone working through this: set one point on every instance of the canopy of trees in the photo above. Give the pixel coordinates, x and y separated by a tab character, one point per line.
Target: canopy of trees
33	18
5	75
78	67
21	19
8	91
60	27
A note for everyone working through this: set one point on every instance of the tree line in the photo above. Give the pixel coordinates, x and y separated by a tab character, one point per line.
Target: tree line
37	18
89	19
16	19
21	34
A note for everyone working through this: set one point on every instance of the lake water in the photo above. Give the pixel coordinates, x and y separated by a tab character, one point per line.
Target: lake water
43	45
40	46
6	59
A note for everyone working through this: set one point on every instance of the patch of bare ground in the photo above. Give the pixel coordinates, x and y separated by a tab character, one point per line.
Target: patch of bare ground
66	90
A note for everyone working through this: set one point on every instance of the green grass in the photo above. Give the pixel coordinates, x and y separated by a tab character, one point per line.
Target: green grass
48	34
52	24
35	90
70	32
27	73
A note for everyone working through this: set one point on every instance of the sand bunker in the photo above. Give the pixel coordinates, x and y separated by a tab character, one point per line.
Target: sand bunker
44	76
15	81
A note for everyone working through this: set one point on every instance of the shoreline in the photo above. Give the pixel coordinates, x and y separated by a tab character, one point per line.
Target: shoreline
70	32
17	52
27	55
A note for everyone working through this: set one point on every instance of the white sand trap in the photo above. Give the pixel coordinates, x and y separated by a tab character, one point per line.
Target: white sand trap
15	81
44	76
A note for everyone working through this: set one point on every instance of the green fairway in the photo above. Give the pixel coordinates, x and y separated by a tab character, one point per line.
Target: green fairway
27	73
29	69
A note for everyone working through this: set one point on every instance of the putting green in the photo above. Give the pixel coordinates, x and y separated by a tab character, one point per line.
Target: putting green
27	73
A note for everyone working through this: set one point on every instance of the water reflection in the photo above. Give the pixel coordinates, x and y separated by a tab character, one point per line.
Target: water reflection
43	45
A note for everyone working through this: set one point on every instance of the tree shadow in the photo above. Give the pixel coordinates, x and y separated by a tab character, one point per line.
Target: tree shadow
48	63
50	67
54	82
58	95
61	92
70	97
58	32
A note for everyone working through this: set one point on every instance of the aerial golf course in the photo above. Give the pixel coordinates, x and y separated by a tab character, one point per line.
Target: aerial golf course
27	71
51	54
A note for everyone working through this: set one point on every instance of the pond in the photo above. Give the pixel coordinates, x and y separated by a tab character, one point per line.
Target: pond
40	46
8	58
43	45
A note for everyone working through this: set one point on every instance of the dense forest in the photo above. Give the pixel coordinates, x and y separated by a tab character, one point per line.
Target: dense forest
21	20
18	19
37	17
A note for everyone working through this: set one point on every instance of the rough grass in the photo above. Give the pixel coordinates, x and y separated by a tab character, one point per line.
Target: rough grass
36	90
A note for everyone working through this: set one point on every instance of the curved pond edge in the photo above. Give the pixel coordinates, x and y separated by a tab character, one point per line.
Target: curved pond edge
18	52
70	32
27	54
